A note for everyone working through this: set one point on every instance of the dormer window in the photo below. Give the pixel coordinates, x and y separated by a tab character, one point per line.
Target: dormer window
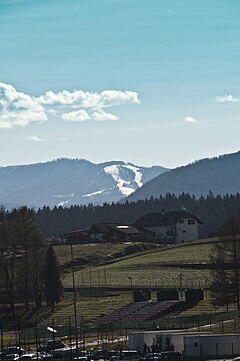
191	221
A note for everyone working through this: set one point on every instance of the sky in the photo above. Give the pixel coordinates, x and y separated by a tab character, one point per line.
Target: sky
152	82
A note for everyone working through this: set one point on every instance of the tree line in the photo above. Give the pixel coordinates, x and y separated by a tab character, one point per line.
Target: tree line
212	210
29	271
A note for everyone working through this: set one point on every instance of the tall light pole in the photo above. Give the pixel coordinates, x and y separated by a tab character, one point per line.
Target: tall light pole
74	301
131	284
180	284
2	339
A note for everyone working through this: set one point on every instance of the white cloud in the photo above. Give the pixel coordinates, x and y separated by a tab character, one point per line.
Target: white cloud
81	99
20	109
63	139
35	139
76	116
190	119
100	115
108	98
226	98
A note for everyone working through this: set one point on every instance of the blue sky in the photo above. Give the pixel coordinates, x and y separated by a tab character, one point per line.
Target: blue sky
145	81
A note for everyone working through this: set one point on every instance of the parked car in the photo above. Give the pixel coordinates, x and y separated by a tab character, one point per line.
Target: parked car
12	350
152	356
50	345
125	356
80	358
11	357
170	356
45	356
63	354
29	357
100	354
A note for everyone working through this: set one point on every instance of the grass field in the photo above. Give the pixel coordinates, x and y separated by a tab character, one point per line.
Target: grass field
159	267
91	309
90	253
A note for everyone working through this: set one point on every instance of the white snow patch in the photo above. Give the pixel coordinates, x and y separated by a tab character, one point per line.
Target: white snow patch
122	184
94	193
62	203
138	174
113	170
63	195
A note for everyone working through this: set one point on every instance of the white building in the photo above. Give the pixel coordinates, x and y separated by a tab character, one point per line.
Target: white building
194	345
163	338
211	346
172	227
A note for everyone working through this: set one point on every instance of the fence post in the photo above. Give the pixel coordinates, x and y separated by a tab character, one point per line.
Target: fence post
70	335
217	350
201	353
19	335
54	354
36	338
2	339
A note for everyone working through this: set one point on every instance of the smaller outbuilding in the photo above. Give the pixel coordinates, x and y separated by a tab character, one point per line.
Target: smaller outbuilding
203	347
193	345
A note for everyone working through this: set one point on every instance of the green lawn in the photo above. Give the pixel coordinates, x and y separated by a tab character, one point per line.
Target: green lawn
91	309
156	268
94	253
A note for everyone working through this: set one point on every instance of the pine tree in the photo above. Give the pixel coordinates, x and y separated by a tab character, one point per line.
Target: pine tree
27	235
53	284
222	285
225	278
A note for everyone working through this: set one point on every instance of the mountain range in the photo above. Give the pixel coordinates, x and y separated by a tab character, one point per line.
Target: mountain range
66	182
219	175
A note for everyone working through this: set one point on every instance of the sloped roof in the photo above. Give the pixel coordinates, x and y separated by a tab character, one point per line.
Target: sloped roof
100	228
125	228
164	218
111	228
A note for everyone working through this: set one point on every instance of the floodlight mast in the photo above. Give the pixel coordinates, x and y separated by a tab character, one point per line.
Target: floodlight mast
74	301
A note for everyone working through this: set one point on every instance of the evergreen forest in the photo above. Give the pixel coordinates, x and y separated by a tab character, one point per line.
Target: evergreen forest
211	210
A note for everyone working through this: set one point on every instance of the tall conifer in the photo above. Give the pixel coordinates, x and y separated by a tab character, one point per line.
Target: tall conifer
53	284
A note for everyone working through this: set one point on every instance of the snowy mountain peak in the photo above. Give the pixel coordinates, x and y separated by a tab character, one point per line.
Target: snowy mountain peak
67	182
127	177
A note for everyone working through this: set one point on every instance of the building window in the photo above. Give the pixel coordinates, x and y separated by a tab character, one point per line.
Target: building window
184	231
181	220
195	344
191	221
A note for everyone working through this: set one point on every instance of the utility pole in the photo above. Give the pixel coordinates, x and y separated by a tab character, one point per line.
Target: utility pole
74	301
180	285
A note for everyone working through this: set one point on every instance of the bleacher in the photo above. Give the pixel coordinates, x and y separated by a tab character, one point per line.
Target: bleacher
123	312
140	311
152	310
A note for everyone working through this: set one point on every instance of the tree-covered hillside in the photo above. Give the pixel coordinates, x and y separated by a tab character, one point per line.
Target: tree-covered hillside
219	175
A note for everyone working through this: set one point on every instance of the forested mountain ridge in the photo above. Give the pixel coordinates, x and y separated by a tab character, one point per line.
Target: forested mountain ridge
219	175
71	181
